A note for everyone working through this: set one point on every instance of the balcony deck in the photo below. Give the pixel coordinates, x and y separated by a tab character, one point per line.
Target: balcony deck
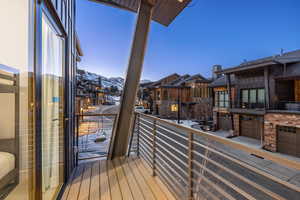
119	179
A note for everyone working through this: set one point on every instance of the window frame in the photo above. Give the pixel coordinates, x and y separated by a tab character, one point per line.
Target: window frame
224	102
249	103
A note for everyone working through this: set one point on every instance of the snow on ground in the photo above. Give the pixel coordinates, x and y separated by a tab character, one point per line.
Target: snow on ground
186	123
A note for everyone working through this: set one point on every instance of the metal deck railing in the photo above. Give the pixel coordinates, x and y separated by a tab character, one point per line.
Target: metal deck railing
199	165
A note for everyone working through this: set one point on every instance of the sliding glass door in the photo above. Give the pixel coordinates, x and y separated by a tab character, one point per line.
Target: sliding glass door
52	108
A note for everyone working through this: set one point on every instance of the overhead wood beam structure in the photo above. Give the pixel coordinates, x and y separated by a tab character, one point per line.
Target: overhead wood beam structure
161	11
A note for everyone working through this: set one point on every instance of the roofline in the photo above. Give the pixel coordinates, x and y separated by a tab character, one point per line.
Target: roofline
262	62
113	4
157	18
78	45
246	67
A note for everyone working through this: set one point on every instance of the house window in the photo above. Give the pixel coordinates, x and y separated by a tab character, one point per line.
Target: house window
253	98
165	95
221	99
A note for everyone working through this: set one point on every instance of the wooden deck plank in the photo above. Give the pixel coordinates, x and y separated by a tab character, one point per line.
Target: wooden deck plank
147	192
85	183
125	189
95	182
104	183
159	194
113	182
135	188
128	179
76	183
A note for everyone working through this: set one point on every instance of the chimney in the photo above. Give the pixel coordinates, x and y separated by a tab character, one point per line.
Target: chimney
214	71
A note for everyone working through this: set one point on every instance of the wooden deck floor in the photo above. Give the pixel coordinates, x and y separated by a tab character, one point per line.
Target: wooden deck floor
115	180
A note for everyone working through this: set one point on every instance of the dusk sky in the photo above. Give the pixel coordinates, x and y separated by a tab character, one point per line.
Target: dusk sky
207	32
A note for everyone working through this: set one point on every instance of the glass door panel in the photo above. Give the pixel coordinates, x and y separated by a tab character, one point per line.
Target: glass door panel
52	110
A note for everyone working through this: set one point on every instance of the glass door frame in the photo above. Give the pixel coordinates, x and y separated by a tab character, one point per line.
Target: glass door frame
45	7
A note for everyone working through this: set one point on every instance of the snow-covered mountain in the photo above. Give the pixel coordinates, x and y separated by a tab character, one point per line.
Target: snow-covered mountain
106	82
114	81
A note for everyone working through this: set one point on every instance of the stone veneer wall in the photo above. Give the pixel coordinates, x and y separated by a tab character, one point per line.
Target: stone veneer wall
236	124
271	121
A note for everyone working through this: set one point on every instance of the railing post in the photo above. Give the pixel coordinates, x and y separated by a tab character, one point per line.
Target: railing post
77	140
154	149
132	134
190	166
138	134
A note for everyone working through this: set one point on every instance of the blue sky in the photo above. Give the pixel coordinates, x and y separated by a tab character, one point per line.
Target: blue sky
208	32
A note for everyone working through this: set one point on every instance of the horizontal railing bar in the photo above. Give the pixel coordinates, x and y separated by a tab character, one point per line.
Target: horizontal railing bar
145	128
171	155
213	185
174	164
7	77
146	144
172	132
163	170
144	120
145	131
248	181
146	159
168	184
265	174
234	187
96	114
169	138
173	168
144	138
200	186
172	147
213	196
146	149
268	155
8	88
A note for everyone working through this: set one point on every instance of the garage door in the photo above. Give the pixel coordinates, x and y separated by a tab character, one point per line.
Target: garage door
287	140
224	121
251	126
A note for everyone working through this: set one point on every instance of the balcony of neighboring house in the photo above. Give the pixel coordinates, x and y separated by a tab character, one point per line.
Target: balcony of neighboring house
166	160
251	101
287	98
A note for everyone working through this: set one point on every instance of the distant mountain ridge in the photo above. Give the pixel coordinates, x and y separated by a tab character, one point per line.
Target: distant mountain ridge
106	82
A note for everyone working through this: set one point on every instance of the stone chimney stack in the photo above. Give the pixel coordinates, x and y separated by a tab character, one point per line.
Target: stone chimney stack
216	68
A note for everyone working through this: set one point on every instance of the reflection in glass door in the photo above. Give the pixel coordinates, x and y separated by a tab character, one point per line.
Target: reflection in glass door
52	110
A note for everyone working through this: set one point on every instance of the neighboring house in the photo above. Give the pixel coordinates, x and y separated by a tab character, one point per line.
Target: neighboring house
156	91
200	97
144	97
222	118
266	106
190	92
89	92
